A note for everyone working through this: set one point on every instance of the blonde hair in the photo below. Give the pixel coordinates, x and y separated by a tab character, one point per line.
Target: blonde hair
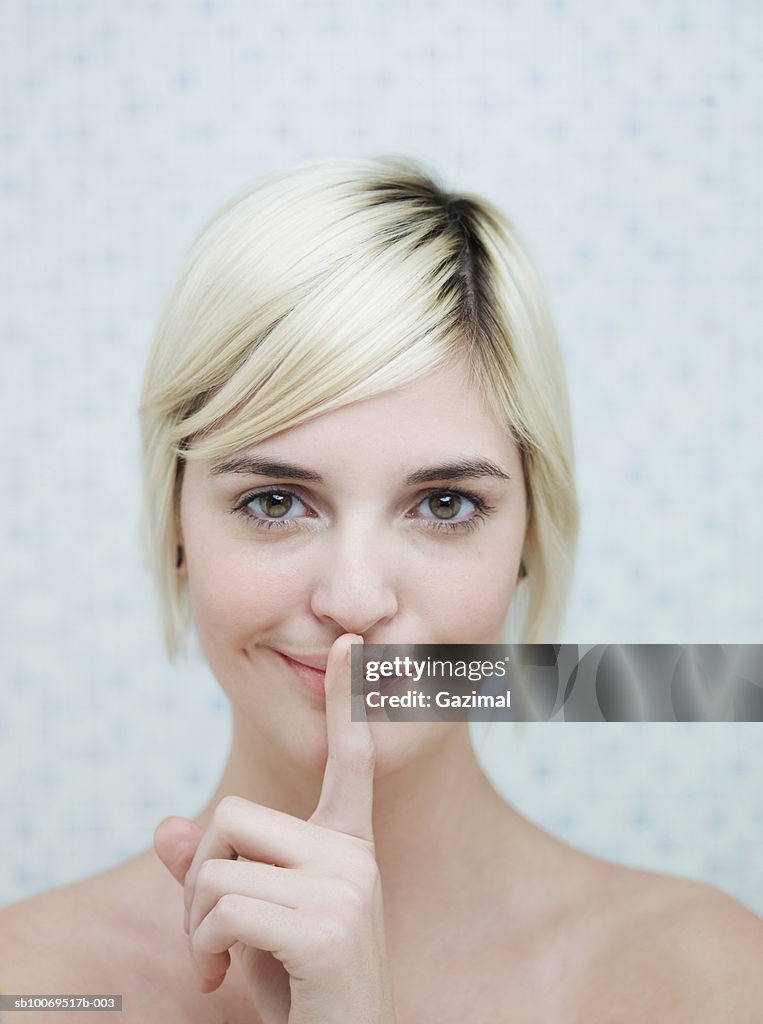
334	281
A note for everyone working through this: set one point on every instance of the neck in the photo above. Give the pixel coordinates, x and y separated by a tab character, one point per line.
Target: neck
440	828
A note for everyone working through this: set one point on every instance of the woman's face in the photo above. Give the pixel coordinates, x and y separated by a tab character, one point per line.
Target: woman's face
368	521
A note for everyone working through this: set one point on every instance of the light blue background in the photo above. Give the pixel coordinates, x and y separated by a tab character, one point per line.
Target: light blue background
624	139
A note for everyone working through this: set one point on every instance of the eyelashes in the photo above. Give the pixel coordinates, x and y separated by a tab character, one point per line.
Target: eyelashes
481	511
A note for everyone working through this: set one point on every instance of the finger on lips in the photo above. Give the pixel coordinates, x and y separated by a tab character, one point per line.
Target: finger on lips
254	900
346	800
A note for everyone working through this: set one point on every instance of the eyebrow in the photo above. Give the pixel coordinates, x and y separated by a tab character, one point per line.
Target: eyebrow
459	469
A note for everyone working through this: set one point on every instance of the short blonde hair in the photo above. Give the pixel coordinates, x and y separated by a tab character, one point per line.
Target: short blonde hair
334	281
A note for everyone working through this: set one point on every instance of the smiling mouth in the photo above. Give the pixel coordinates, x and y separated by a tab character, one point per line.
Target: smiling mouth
316	678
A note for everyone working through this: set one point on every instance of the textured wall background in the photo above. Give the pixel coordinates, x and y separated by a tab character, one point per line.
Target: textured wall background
624	140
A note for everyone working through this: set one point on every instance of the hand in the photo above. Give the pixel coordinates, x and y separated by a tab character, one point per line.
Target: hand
302	904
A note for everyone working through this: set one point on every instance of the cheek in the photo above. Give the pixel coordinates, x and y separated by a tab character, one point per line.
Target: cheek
467	602
236	597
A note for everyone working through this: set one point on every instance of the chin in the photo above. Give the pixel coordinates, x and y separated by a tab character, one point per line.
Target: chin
397	745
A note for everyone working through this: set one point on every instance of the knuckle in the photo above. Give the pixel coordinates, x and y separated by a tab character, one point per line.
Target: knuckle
205	879
358	863
367	871
227	811
225	909
352	908
329	939
352	894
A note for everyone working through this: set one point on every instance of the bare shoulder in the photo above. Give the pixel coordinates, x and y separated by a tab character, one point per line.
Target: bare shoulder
98	936
50	944
715	943
684	950
41	938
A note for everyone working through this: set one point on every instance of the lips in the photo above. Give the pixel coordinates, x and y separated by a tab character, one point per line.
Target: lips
316	661
313	678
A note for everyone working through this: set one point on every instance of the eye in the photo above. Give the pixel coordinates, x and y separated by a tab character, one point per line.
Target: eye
270	509
446	505
447	510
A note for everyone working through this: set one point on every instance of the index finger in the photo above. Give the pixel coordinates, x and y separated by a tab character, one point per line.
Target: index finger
346	800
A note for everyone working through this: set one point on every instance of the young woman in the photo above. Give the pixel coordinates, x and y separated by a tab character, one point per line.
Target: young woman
356	429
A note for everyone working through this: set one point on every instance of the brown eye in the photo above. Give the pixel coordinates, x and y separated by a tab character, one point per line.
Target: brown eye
445	505
275	504
272	510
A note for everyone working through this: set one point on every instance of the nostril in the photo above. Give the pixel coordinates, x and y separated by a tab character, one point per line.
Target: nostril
355	607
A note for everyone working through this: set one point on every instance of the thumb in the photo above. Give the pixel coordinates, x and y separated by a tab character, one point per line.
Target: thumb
175	842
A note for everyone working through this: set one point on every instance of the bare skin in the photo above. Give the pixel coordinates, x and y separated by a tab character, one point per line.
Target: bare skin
556	937
486	916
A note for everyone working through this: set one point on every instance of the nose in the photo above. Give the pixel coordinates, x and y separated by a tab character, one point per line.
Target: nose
355	587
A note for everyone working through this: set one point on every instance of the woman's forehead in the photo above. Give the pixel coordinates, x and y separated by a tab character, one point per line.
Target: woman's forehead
433	429
442	405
